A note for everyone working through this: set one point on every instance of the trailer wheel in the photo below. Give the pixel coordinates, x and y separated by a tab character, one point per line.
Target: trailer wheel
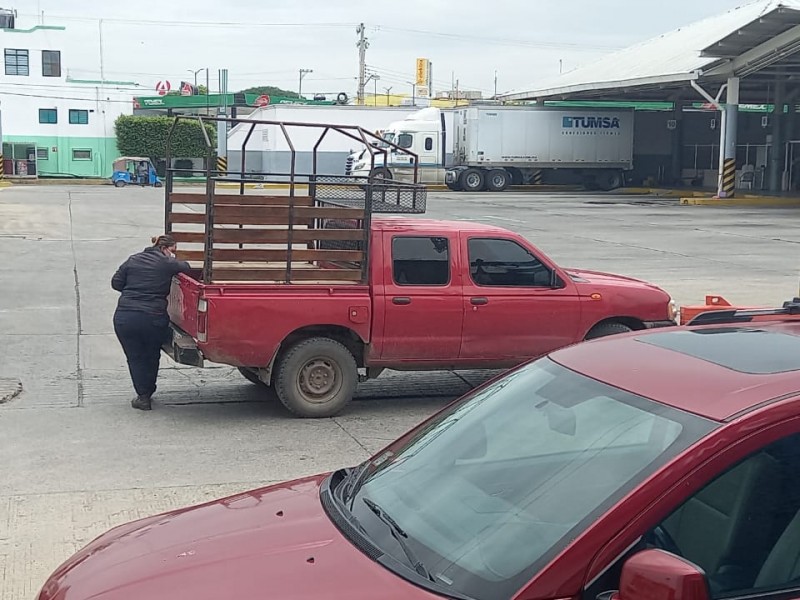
610	180
472	180
316	378
606	329
498	180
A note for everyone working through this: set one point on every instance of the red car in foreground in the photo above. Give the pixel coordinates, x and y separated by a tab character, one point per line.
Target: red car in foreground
645	466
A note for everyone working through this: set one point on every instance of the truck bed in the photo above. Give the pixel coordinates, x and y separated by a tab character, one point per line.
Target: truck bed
257	316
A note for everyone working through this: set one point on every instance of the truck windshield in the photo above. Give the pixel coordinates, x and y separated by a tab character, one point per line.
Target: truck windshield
498	484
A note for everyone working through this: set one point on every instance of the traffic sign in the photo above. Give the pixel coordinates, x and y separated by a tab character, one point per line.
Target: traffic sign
262	100
162	87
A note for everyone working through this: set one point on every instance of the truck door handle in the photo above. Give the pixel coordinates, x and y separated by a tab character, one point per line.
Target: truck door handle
479	301
401	301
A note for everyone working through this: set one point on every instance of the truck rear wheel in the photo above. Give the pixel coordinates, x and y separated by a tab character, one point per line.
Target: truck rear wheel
498	180
316	378
472	180
380	174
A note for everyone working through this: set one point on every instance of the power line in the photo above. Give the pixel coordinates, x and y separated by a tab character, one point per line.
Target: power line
172	23
498	41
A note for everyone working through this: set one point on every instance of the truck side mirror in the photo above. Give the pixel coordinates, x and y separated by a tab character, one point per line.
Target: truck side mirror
657	575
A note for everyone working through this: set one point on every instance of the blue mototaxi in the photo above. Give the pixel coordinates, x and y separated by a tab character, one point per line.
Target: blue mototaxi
134	170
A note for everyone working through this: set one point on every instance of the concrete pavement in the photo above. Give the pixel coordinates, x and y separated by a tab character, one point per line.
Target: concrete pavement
76	460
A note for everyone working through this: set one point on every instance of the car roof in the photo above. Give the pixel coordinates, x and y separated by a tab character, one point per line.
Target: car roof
718	372
389	223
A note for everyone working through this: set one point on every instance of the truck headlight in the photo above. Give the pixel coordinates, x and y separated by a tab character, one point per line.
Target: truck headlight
672	310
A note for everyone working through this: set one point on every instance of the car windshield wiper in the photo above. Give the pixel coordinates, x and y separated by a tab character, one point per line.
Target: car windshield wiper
357	478
400	535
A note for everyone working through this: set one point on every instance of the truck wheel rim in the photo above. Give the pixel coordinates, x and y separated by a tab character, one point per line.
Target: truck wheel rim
320	380
498	181
473	180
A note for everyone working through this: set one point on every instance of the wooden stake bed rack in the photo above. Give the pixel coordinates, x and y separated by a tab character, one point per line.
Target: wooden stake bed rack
317	231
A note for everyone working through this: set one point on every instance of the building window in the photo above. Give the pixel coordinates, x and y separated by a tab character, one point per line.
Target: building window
17	62
48	116
51	63
42	154
78	117
81	155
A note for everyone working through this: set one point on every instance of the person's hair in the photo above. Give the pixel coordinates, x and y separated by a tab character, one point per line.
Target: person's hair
163	241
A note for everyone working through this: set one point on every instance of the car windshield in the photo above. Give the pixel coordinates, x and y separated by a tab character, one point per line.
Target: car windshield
499	483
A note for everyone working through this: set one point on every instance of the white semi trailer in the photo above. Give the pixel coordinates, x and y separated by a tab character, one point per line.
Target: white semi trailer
489	148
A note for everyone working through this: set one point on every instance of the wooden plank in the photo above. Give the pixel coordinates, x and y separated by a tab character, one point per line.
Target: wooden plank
189	237
248	274
229	199
248	199
281	236
298	255
306	212
177	217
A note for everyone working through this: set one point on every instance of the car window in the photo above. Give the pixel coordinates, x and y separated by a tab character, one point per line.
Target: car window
742	529
421	261
497	262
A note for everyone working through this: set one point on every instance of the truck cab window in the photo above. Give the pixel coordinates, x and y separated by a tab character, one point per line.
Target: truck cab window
421	260
405	140
504	263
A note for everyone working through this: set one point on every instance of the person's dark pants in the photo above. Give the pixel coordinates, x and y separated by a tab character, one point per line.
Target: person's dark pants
141	335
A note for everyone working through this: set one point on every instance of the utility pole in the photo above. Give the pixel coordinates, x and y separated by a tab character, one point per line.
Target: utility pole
495	84
222	126
388	89
303	73
102	70
375	78
362	45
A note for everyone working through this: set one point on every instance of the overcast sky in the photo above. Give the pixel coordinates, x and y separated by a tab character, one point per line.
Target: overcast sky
268	41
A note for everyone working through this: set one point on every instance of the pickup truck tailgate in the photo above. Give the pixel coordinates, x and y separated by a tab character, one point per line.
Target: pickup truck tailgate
183	298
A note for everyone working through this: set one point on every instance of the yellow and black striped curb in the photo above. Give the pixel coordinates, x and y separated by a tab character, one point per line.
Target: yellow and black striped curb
222	164
2	166
729	178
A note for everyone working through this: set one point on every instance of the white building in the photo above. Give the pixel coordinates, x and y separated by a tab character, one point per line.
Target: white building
50	123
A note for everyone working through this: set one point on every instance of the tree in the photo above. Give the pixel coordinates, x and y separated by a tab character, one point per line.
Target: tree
147	136
270	90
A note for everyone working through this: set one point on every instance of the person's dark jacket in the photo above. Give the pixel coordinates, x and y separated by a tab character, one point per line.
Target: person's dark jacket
144	281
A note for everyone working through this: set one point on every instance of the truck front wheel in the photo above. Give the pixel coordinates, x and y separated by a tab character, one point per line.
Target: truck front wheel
316	378
472	180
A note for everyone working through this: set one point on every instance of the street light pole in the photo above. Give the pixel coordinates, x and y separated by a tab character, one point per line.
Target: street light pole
388	89
303	73
195	75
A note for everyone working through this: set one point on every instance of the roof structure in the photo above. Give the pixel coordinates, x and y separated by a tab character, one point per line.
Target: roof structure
757	41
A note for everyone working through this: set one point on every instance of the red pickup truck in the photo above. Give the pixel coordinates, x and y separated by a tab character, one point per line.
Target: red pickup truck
437	295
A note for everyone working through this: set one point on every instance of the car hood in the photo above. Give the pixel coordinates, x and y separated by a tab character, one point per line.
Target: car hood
582	276
276	542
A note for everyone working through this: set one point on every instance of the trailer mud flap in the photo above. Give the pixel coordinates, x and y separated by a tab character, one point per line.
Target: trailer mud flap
182	348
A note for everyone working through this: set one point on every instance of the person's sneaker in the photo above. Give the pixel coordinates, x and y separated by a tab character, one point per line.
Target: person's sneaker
142	403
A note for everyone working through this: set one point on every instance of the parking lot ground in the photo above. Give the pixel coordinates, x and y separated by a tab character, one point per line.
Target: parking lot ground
76	460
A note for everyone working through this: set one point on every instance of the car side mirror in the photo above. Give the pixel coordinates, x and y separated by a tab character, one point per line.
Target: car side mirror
659	575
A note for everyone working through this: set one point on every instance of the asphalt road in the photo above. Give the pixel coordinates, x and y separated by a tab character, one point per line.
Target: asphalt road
76	460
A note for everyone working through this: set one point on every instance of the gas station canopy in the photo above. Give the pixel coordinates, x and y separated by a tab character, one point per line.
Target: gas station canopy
756	42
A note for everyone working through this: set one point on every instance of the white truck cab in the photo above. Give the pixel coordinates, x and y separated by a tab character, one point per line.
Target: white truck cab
422	133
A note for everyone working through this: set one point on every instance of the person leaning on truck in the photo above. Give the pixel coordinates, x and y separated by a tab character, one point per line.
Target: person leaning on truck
141	321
